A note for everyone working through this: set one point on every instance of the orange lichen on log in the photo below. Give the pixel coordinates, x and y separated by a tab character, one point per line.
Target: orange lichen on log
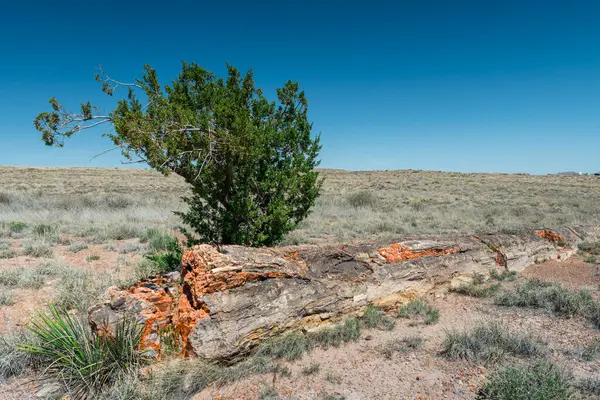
549	235
398	252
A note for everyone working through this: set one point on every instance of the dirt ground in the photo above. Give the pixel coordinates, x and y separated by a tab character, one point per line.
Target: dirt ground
359	370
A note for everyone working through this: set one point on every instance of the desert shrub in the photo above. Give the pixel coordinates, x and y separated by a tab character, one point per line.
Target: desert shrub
9	277
6	298
476	290
130	248
419	308
589	386
46	232
375	318
349	331
487	343
78	358
170	258
312	369
504	276
7	253
290	347
591	352
38	248
539	381
5	198
77	247
157	239
363	198
78	289
92	257
592	248
17	227
539	294
403	345
13	361
117	202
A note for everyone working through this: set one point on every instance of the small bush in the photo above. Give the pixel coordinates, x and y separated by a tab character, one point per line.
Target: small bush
92	257
592	248
312	369
77	289
475	290
592	351
38	248
5	198
375	318
9	277
589	386
17	227
488	343
290	347
6	298
403	346
539	294
539	381
7	253
130	248
76	357
361	199
504	276
14	362
77	247
47	233
419	308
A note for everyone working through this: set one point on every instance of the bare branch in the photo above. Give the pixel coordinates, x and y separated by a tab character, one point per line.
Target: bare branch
115	82
104	152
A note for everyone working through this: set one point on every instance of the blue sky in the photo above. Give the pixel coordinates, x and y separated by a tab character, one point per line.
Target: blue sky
470	86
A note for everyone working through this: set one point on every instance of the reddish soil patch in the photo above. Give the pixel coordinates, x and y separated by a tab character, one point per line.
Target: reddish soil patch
573	273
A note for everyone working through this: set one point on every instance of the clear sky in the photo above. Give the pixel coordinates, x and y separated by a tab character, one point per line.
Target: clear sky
490	86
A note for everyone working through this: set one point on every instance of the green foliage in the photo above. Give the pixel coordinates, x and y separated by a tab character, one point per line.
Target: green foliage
590	386
539	381
364	198
17	227
475	290
504	276
488	343
540	294
13	361
251	161
419	308
76	357
169	260
592	248
375	318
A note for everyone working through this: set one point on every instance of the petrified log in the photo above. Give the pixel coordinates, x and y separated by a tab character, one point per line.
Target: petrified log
227	299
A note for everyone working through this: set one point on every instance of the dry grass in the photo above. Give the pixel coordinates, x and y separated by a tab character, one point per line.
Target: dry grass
113	204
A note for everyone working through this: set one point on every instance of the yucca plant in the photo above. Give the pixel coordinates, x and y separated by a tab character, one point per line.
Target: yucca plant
83	361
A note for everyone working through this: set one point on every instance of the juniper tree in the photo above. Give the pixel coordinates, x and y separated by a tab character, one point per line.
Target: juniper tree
251	162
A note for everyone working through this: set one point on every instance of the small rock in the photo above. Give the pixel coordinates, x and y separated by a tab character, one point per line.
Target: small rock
419	378
49	391
369	337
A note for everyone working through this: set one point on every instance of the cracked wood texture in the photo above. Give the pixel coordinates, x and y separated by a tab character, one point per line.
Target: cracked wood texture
226	300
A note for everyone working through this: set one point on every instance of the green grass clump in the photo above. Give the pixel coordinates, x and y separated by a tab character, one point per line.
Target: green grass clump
475	290
592	248
312	369
77	247
14	362
589	386
38	248
25	278
488	343
361	199
7	253
539	381
591	352
419	308
76	357
504	276
17	227
375	318
540	294
6	298
403	346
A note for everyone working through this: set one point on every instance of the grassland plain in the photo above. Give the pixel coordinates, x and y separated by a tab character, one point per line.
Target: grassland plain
66	234
354	205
